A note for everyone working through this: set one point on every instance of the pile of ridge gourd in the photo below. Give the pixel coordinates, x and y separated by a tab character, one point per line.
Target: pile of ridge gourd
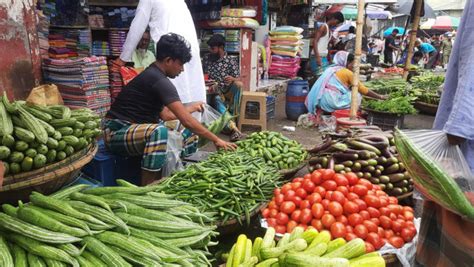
105	226
33	136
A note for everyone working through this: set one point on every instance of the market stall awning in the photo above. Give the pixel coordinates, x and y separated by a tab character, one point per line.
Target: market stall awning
405	7
441	23
350	13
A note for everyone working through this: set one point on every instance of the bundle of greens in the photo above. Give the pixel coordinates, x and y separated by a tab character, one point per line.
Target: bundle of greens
396	104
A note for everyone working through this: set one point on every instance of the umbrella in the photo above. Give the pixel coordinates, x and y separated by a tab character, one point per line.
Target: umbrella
345	26
350	13
389	31
404	7
446	23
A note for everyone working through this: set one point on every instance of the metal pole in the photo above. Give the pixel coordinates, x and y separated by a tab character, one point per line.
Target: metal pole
411	45
358	52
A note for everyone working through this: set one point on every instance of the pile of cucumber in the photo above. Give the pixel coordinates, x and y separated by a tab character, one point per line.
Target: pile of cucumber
32	136
277	150
105	226
370	154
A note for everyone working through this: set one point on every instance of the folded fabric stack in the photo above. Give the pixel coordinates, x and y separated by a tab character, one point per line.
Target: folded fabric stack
232	40
116	40
83	44
69	43
285	45
100	48
82	82
115	79
43	32
111	17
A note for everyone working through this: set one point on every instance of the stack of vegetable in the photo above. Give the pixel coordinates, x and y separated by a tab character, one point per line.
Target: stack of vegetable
230	184
387	86
276	149
108	226
395	104
368	153
343	204
425	88
301	248
34	136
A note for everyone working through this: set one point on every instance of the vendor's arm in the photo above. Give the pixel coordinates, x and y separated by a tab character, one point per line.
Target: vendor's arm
167	115
196	127
321	32
345	76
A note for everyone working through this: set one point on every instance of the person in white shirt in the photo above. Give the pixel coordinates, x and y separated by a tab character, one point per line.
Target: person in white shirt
165	16
142	57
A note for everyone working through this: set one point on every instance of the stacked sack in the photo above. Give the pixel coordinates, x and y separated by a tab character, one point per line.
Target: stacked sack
285	45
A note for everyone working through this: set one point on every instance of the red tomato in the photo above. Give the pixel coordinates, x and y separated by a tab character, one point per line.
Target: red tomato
297	180
287	207
389	233
296	215
338	230
352	196
375	220
355	219
273	213
349	229
307	176
338	196
305	204
375	240
350	236
272	222
340	179
328	195
361	231
396	241
317	224
371	227
266	213
295	185
343	190
285	188
304	226
408	208
276	191
392	216
410	224
408	215
374	213
396	209
297	201
320	190
365	183
282	218
385	222
272	205
342	219
350	207
327	174
369	247
384	211
291	225
281	229
375	187
379	193
325	203
306	216
290	195
279	199
383	201
317	210
352	178
407	234
314	198
397	226
308	186
301	193
365	214
381	232
372	201
328	220
360	190
316	178
392	200
329	185
335	208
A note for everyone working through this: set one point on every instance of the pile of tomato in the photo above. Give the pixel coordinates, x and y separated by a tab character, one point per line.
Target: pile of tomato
343	204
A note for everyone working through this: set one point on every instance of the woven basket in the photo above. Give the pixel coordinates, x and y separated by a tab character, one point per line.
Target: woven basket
47	179
232	226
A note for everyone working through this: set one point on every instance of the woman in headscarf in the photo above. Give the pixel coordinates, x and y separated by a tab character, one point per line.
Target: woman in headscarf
332	91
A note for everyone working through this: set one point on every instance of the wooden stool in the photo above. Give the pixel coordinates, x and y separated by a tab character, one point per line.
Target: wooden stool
261	99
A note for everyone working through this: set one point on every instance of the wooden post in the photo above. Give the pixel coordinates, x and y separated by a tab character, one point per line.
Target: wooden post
411	45
358	52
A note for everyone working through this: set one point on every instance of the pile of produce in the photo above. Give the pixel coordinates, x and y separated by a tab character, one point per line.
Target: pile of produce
425	88
396	104
370	154
106	226
34	136
343	204
301	248
277	150
387	86
229	184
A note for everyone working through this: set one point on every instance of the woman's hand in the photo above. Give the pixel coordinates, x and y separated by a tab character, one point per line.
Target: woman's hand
228	80
225	145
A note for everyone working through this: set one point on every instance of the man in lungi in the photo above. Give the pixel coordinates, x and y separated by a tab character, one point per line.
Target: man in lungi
135	123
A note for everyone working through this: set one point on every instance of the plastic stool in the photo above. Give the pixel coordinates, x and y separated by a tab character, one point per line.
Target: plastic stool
261	99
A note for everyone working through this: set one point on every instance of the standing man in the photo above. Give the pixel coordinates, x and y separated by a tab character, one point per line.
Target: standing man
164	16
446	47
319	61
390	46
445	238
142	57
429	53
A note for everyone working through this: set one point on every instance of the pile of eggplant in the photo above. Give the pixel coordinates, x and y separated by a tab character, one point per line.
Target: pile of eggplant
368	152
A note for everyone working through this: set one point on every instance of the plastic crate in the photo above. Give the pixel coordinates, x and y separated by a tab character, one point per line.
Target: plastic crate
386	121
107	167
252	110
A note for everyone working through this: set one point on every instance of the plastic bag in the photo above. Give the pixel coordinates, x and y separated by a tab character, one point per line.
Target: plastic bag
173	152
328	123
128	74
439	170
44	95
213	121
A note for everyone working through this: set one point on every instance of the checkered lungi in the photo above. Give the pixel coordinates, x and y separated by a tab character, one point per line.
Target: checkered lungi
147	140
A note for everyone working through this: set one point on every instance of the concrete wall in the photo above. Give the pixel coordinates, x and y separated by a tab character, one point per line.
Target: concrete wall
20	65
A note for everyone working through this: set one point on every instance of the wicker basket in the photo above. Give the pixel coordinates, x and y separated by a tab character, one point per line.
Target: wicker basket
426	108
47	179
232	226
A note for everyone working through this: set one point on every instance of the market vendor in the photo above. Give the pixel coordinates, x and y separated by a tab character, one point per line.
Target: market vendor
134	125
332	91
429	53
415	60
142	57
224	69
